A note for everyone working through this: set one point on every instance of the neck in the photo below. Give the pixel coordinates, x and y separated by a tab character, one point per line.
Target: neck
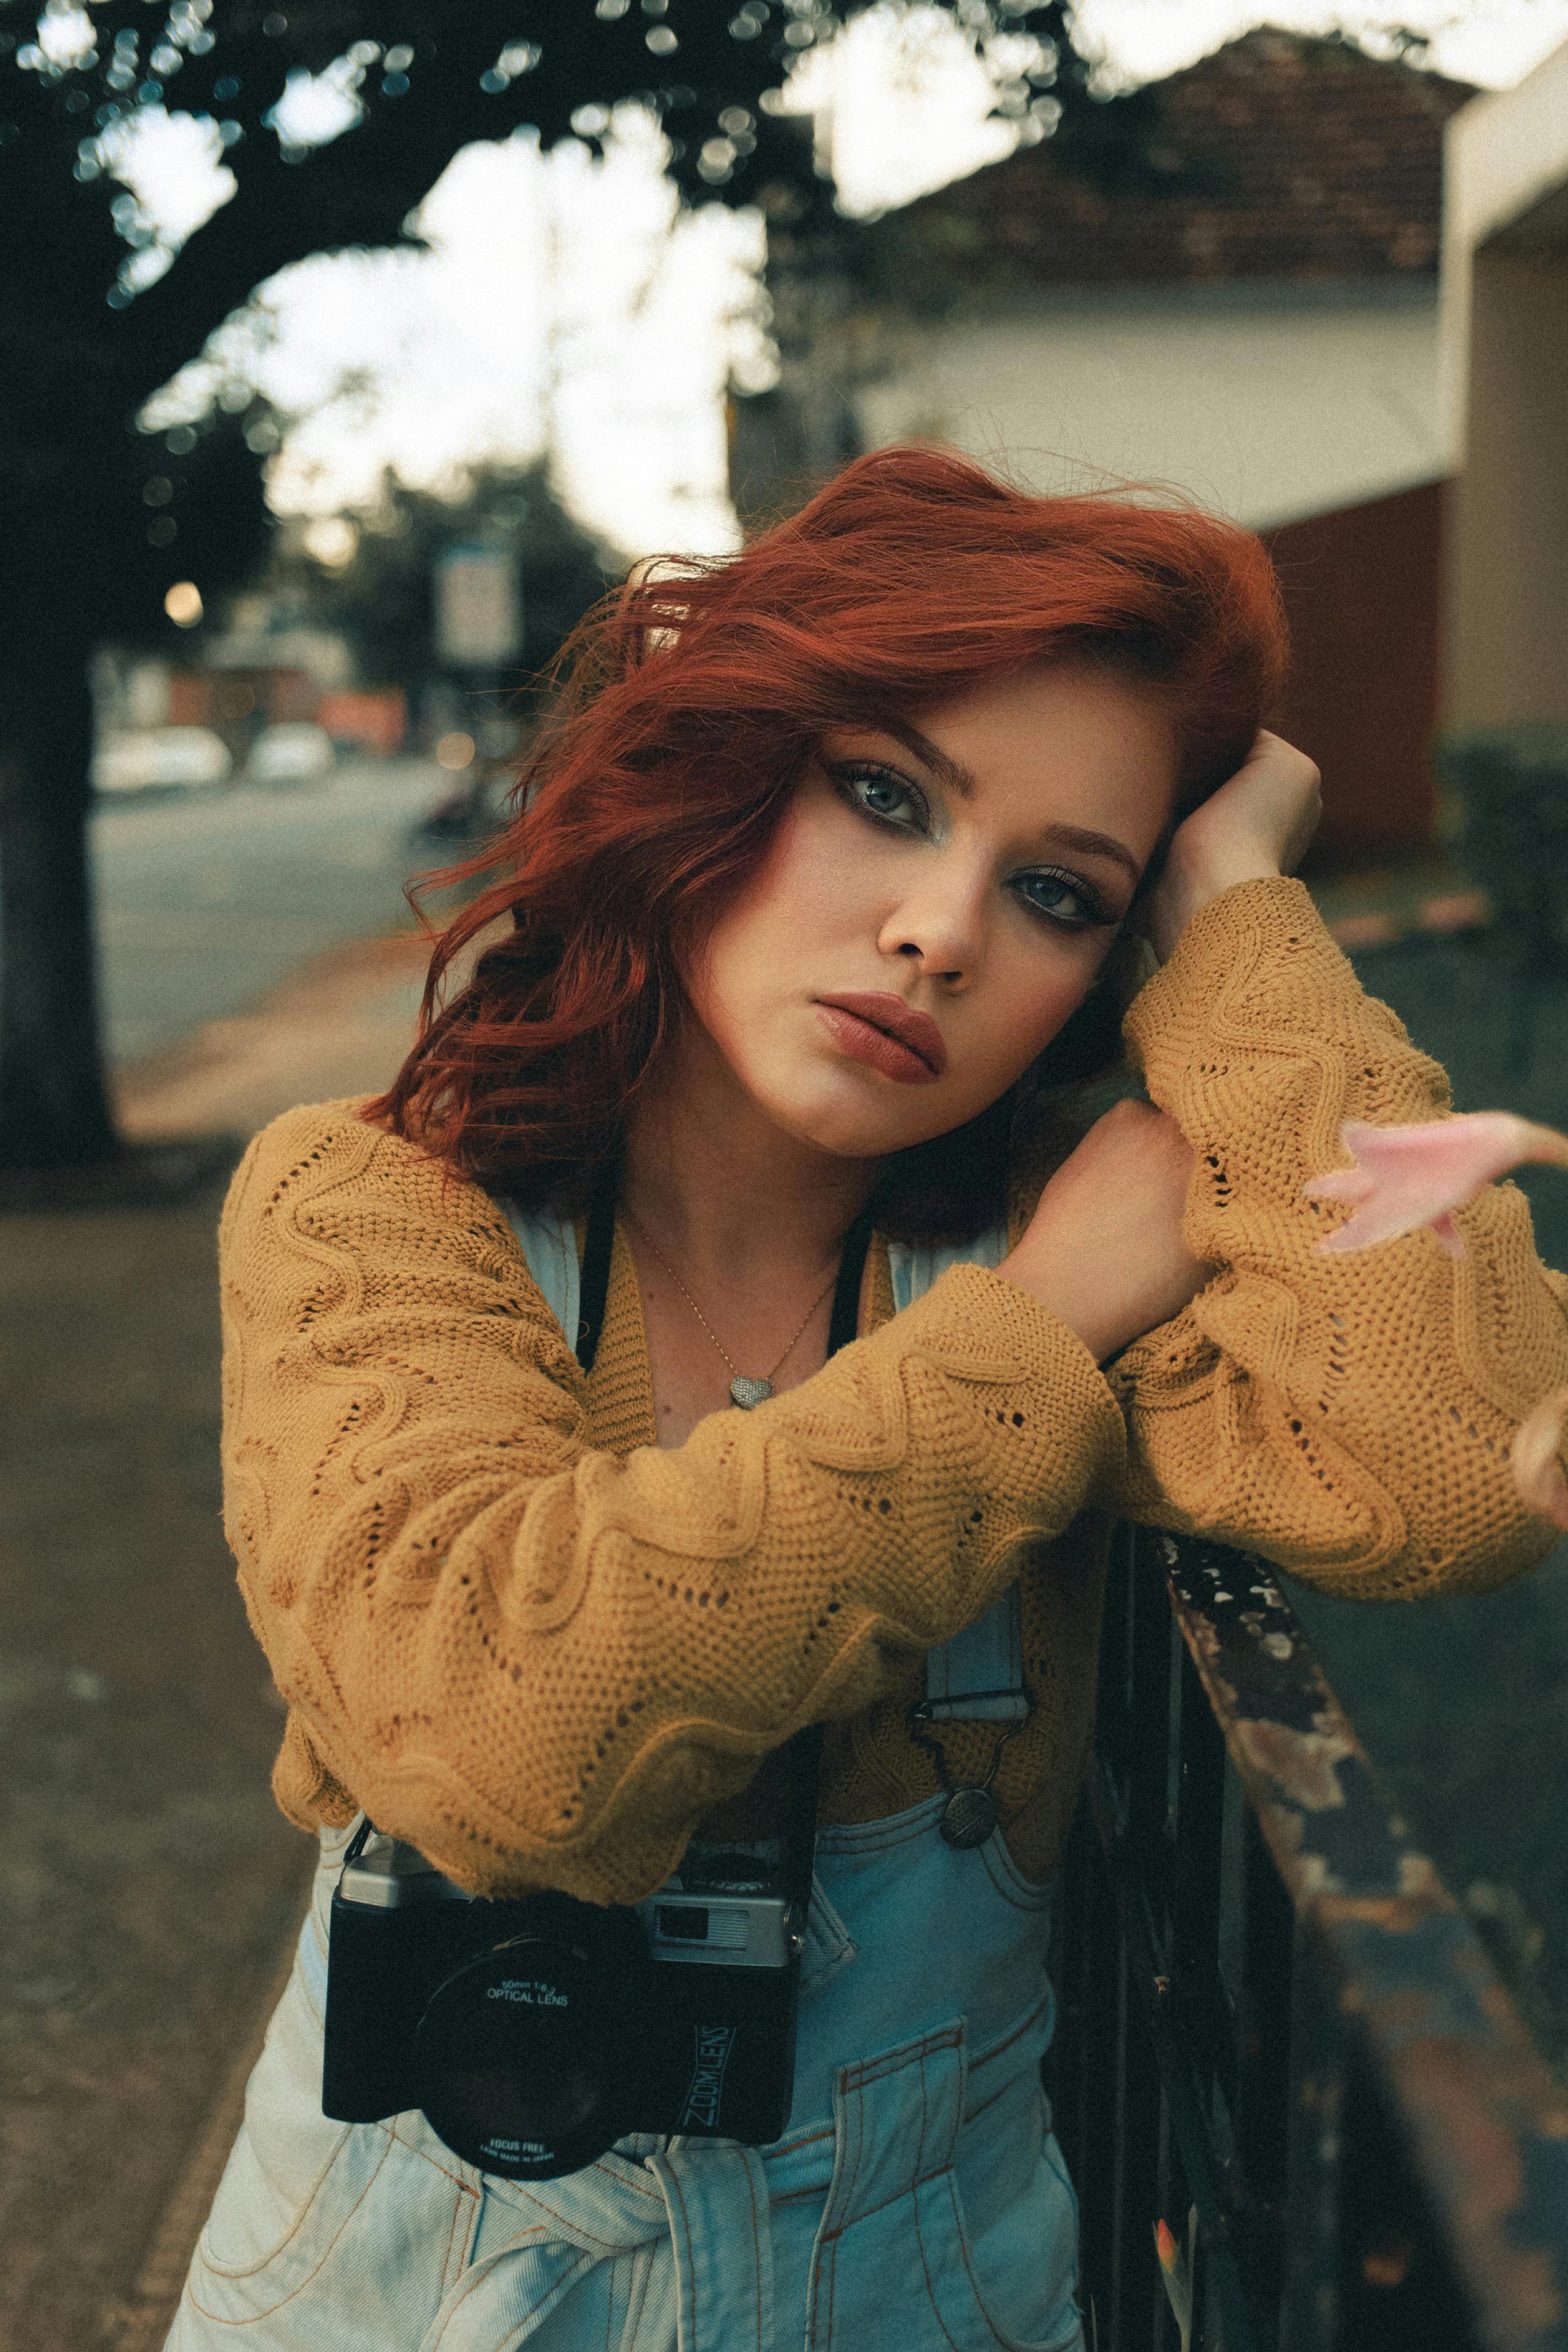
734	1201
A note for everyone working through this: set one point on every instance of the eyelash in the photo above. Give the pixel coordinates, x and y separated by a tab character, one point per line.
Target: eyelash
1095	915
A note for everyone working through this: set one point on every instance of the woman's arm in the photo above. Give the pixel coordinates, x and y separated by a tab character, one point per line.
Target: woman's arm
537	1662
1348	1417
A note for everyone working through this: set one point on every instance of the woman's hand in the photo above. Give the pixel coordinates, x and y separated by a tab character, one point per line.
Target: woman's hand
1257	825
1104	1248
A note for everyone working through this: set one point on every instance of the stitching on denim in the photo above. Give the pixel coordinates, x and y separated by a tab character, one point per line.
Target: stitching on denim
557	2288
249	2270
756	2251
1000	2049
1006	2341
683	2286
451	2235
962	2234
856	1838
925	2265
643	2259
553	2226
235	2276
925	2125
424	2154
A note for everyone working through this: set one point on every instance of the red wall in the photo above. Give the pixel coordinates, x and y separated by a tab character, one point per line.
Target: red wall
1362	591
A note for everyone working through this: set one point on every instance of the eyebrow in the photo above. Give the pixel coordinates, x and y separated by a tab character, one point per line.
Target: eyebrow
960	779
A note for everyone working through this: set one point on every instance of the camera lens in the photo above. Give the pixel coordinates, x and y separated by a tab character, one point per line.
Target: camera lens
523	2057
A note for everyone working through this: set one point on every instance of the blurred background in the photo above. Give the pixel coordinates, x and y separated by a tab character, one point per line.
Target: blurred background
352	351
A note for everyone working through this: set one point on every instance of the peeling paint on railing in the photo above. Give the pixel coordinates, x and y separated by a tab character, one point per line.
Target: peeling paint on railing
1486	2122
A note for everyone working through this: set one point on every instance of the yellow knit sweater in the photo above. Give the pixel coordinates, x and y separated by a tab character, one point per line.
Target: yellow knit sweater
542	1649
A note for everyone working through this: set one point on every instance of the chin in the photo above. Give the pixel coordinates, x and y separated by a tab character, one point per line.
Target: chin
856	1130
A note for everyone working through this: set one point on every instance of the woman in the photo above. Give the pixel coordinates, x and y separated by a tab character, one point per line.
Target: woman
834	877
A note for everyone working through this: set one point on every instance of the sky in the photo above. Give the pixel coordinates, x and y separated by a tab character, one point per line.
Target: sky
566	303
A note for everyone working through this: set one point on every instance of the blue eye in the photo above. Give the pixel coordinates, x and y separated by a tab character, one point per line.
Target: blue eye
880	793
887	799
1062	898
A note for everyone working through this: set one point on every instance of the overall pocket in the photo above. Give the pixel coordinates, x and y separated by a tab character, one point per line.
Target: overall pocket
341	2221
896	2267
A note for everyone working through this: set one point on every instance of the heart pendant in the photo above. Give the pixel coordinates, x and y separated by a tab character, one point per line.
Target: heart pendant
968	1818
747	1392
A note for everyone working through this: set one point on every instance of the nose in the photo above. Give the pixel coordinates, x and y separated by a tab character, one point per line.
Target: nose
941	928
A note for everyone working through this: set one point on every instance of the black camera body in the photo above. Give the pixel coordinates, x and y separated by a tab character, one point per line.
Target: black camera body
535	2032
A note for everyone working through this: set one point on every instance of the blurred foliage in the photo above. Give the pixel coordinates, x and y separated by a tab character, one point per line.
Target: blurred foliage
97	309
383	600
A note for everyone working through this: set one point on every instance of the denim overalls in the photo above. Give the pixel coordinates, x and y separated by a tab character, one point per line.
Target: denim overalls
917	2201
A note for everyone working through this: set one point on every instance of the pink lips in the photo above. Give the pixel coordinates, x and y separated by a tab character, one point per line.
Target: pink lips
881	1028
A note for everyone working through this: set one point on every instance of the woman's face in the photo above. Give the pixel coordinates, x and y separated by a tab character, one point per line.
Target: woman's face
973	875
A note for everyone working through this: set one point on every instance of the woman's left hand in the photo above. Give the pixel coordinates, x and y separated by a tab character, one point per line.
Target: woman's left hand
1256	825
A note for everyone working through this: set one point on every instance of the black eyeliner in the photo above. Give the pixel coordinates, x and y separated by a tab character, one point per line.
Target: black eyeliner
1096	914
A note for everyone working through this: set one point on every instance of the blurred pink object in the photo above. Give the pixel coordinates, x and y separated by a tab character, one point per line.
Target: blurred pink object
1534	1458
1406	1177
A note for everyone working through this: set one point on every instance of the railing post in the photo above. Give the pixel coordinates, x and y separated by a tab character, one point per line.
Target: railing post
1314	2117
1277	2012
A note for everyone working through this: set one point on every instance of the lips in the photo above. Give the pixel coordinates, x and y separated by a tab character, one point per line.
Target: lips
915	1031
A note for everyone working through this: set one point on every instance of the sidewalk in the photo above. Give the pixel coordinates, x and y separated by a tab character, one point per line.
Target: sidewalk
151	1889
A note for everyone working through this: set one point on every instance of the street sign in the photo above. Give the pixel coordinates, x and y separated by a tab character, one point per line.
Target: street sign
479	611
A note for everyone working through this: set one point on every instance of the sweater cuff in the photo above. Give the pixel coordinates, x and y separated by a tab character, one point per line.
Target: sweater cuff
1250	918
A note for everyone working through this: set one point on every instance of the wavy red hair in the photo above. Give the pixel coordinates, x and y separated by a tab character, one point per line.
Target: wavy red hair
687	704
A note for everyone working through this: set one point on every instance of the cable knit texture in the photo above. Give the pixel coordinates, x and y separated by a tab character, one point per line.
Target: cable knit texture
542	1649
1348	1417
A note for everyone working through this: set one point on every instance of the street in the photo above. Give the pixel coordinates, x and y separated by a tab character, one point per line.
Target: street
207	901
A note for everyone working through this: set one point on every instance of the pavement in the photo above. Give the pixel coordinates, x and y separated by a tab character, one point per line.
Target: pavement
207	900
153	1890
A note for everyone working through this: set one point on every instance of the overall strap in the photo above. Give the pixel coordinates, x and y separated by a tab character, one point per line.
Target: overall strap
597	1250
978	1677
574	1294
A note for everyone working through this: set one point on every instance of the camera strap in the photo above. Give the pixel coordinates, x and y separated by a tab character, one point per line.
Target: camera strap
805	1749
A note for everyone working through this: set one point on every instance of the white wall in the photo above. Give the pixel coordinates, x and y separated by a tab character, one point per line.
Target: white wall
1267	404
1501	154
1505	367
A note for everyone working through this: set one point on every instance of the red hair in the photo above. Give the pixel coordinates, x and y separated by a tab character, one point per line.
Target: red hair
688	701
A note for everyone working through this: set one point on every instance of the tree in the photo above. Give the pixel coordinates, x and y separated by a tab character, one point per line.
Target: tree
383	602
98	523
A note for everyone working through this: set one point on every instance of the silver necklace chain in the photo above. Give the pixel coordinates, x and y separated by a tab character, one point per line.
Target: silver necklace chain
744	1390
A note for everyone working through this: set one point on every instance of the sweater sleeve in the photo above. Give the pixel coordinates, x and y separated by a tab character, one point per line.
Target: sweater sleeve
540	1663
1349	1418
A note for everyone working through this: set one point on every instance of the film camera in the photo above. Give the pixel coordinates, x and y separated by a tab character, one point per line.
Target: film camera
536	2031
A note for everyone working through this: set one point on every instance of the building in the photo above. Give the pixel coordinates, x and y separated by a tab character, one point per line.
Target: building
1504	382
1240	303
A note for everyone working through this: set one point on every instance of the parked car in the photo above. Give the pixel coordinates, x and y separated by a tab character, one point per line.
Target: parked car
294	753
160	759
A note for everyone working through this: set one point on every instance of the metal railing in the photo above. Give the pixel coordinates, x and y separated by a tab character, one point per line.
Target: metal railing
1279	2033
